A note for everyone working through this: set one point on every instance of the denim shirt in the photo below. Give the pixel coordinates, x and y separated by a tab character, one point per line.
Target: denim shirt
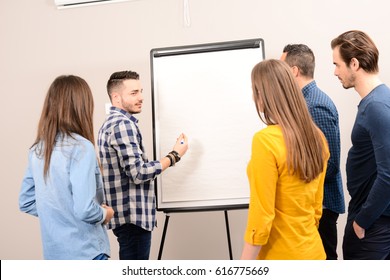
68	201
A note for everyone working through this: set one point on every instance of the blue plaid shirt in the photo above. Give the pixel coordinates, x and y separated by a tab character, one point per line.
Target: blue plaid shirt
127	174
325	115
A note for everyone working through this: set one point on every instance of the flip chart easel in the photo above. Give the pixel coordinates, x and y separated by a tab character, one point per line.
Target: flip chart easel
227	226
204	91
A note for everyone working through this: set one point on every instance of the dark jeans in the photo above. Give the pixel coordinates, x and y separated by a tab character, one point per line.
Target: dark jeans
374	246
134	242
328	233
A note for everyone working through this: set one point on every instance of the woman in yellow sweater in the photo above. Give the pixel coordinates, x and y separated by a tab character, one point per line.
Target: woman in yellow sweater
286	171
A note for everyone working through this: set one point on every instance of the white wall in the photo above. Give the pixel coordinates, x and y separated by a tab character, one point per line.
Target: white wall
39	42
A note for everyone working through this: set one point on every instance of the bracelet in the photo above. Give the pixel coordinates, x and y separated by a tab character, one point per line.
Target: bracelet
171	159
176	155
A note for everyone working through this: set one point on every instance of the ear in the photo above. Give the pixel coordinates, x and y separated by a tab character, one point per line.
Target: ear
114	97
354	64
295	71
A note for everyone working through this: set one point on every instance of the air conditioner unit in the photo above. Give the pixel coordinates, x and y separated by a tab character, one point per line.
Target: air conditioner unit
63	4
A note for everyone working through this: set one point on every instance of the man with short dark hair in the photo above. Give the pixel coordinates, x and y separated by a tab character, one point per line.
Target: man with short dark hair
128	175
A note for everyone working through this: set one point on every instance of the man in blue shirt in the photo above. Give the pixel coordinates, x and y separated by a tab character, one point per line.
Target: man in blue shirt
128	175
324	113
367	232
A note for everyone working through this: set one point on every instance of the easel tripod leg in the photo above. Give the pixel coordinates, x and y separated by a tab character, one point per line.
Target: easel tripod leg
228	235
163	236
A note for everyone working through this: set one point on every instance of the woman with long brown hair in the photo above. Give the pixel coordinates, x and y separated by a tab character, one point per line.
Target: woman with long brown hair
62	185
286	171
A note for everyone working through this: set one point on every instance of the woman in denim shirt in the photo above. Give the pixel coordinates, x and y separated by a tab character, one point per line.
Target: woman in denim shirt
62	185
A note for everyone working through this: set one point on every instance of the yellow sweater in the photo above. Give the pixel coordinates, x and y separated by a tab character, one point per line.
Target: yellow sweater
284	212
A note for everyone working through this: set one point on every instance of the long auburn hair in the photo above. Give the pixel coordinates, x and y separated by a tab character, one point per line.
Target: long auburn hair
68	108
277	95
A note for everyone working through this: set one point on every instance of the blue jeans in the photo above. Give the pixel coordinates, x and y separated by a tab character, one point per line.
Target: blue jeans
134	242
374	246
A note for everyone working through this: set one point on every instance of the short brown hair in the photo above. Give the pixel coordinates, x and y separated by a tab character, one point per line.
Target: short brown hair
357	44
116	80
301	56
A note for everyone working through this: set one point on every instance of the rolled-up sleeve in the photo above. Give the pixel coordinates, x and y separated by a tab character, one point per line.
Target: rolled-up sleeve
262	175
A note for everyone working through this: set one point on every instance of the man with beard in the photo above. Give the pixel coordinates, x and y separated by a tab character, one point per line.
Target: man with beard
128	175
367	232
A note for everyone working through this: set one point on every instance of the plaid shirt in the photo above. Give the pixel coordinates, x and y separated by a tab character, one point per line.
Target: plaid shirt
127	174
326	117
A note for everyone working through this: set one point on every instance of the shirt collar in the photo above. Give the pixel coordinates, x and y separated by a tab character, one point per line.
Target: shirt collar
123	112
309	87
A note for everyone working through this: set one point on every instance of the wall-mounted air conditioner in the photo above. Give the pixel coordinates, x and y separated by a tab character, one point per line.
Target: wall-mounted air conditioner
62	4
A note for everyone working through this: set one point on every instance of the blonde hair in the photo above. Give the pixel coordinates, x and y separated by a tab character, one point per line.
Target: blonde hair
68	108
278	97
